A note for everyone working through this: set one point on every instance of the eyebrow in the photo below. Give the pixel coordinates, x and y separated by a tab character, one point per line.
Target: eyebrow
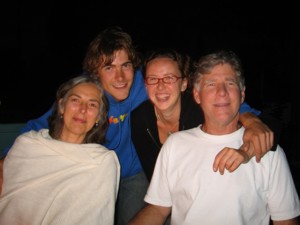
165	75
92	99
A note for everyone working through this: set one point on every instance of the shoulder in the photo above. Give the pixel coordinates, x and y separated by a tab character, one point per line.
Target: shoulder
143	115
191	113
145	107
138	92
184	135
138	82
32	134
111	158
100	152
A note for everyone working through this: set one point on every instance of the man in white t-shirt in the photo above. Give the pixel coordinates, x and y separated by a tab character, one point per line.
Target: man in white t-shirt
184	181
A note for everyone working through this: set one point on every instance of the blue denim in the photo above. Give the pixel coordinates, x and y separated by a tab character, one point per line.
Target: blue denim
132	191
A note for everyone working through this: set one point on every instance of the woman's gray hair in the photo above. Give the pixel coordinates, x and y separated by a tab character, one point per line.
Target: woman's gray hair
206	63
98	131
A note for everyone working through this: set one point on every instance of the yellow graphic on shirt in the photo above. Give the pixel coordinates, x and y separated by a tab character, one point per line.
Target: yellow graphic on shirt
116	120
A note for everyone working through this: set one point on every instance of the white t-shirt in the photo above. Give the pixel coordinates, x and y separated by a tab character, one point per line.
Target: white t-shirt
47	181
184	180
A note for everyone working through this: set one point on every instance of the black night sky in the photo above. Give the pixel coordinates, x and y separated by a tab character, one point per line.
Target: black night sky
43	44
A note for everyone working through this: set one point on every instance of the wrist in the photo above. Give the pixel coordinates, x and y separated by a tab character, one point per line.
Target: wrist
246	154
248	118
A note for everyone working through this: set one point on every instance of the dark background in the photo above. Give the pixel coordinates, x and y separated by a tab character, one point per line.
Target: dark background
43	44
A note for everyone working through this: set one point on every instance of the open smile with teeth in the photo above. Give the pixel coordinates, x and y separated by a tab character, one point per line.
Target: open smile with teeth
120	85
162	97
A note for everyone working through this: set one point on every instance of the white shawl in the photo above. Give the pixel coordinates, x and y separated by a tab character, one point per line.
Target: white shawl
47	181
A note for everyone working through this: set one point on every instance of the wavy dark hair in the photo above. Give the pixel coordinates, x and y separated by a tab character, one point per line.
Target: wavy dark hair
103	47
97	133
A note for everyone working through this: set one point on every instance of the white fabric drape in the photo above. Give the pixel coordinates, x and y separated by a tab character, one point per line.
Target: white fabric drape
52	182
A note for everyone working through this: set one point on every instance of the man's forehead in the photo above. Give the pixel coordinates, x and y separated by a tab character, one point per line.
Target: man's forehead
118	57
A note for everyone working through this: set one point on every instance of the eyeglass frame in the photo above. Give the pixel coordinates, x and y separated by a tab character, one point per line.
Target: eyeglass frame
162	79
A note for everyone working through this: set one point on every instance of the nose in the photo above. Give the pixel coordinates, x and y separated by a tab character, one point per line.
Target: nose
83	107
160	83
221	90
119	74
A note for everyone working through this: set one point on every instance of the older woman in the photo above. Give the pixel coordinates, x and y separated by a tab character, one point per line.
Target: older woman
62	175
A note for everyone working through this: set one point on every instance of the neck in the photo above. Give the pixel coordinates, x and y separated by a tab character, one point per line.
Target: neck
167	123
168	117
220	129
69	137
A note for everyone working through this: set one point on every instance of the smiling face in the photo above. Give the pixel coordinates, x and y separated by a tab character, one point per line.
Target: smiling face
117	77
164	96
220	96
80	112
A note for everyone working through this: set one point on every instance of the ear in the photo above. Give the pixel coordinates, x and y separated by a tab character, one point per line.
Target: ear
146	87
184	84
61	107
196	96
98	118
243	94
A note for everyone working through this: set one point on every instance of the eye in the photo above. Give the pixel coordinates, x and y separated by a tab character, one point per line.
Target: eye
169	78
232	83
75	100
152	79
93	105
107	68
127	65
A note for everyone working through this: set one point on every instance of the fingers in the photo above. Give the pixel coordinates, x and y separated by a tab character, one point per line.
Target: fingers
262	143
261	138
259	145
229	159
245	146
269	138
219	162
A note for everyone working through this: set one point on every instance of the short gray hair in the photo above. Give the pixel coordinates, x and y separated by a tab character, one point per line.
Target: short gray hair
206	63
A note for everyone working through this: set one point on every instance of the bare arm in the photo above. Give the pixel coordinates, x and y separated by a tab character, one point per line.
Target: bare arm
258	140
294	221
151	215
258	137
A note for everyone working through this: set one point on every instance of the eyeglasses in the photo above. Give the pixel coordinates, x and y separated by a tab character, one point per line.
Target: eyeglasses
166	80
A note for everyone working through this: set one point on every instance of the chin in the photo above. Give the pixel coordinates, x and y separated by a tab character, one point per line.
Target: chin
121	97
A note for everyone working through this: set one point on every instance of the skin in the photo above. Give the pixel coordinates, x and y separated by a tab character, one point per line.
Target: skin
220	98
167	102
117	78
80	112
165	97
259	138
